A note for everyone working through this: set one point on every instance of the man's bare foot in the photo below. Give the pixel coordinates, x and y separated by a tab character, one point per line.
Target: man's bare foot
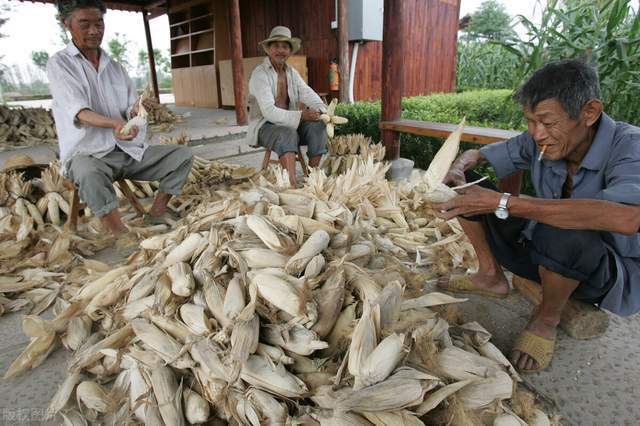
542	327
492	285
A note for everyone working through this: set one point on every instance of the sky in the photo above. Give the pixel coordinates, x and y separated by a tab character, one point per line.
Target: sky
22	37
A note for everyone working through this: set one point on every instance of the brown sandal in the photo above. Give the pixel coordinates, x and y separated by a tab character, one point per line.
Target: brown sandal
537	347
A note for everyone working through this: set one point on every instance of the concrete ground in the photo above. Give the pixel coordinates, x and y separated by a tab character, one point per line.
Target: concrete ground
594	382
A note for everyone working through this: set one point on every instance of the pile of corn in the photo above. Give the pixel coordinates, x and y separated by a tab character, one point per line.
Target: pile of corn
268	305
344	150
25	126
162	119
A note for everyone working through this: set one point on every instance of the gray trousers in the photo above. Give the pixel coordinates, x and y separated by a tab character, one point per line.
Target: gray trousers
282	139
168	164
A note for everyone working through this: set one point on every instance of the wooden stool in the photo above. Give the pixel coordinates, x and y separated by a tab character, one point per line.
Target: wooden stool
267	160
72	220
579	320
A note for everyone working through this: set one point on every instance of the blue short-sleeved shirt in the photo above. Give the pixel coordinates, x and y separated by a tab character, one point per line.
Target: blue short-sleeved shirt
610	171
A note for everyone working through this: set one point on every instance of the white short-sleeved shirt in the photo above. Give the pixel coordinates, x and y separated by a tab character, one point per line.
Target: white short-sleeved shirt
76	85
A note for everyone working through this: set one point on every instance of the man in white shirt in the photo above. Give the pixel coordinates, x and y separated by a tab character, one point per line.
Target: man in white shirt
92	99
284	111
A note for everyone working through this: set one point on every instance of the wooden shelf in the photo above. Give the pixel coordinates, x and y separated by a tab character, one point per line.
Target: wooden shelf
191	20
193	53
180	36
203	50
192	36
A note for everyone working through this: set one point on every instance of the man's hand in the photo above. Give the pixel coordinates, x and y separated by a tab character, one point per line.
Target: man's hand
455	176
468	160
310	115
117	131
472	201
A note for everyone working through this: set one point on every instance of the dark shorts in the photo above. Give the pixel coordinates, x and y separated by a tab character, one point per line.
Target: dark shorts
576	254
282	139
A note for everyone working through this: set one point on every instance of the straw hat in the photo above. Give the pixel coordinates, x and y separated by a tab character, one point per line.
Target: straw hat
20	162
281	33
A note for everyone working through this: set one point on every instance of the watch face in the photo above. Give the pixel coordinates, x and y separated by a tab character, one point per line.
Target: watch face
502	213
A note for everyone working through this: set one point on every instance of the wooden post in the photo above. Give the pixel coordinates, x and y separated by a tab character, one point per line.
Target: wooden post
392	72
152	59
239	91
343	50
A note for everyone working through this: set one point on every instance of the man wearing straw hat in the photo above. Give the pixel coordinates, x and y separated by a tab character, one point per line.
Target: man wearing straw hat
580	236
284	111
92	99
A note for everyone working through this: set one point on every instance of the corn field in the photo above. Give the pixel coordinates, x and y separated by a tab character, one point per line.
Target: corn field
604	33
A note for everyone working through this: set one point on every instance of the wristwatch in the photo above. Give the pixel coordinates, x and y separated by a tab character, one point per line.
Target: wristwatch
502	212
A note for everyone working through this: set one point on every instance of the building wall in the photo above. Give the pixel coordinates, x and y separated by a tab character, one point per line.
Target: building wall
431	34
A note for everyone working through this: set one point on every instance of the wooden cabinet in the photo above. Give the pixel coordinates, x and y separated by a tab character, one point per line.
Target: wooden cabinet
196	86
193	54
299	62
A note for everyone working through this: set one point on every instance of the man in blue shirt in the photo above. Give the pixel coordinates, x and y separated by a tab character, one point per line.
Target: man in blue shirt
579	236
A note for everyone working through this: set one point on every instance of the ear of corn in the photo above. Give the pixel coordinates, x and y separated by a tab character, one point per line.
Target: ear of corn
484	391
234	299
182	281
162	344
196	408
93	396
315	244
168	394
382	361
264	258
195	319
297	339
330	298
364	339
258	372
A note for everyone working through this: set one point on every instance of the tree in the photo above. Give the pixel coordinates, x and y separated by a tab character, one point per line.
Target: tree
491	21
62	33
163	63
3	67
117	48
40	59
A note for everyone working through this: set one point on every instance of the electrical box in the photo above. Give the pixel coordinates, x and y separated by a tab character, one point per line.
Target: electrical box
365	19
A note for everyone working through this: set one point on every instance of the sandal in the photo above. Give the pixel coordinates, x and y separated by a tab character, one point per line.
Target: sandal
463	284
537	347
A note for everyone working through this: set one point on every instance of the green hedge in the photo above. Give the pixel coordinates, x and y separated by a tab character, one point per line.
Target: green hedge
484	108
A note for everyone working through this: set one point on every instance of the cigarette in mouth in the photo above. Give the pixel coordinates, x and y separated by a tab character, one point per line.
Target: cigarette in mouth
544	148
